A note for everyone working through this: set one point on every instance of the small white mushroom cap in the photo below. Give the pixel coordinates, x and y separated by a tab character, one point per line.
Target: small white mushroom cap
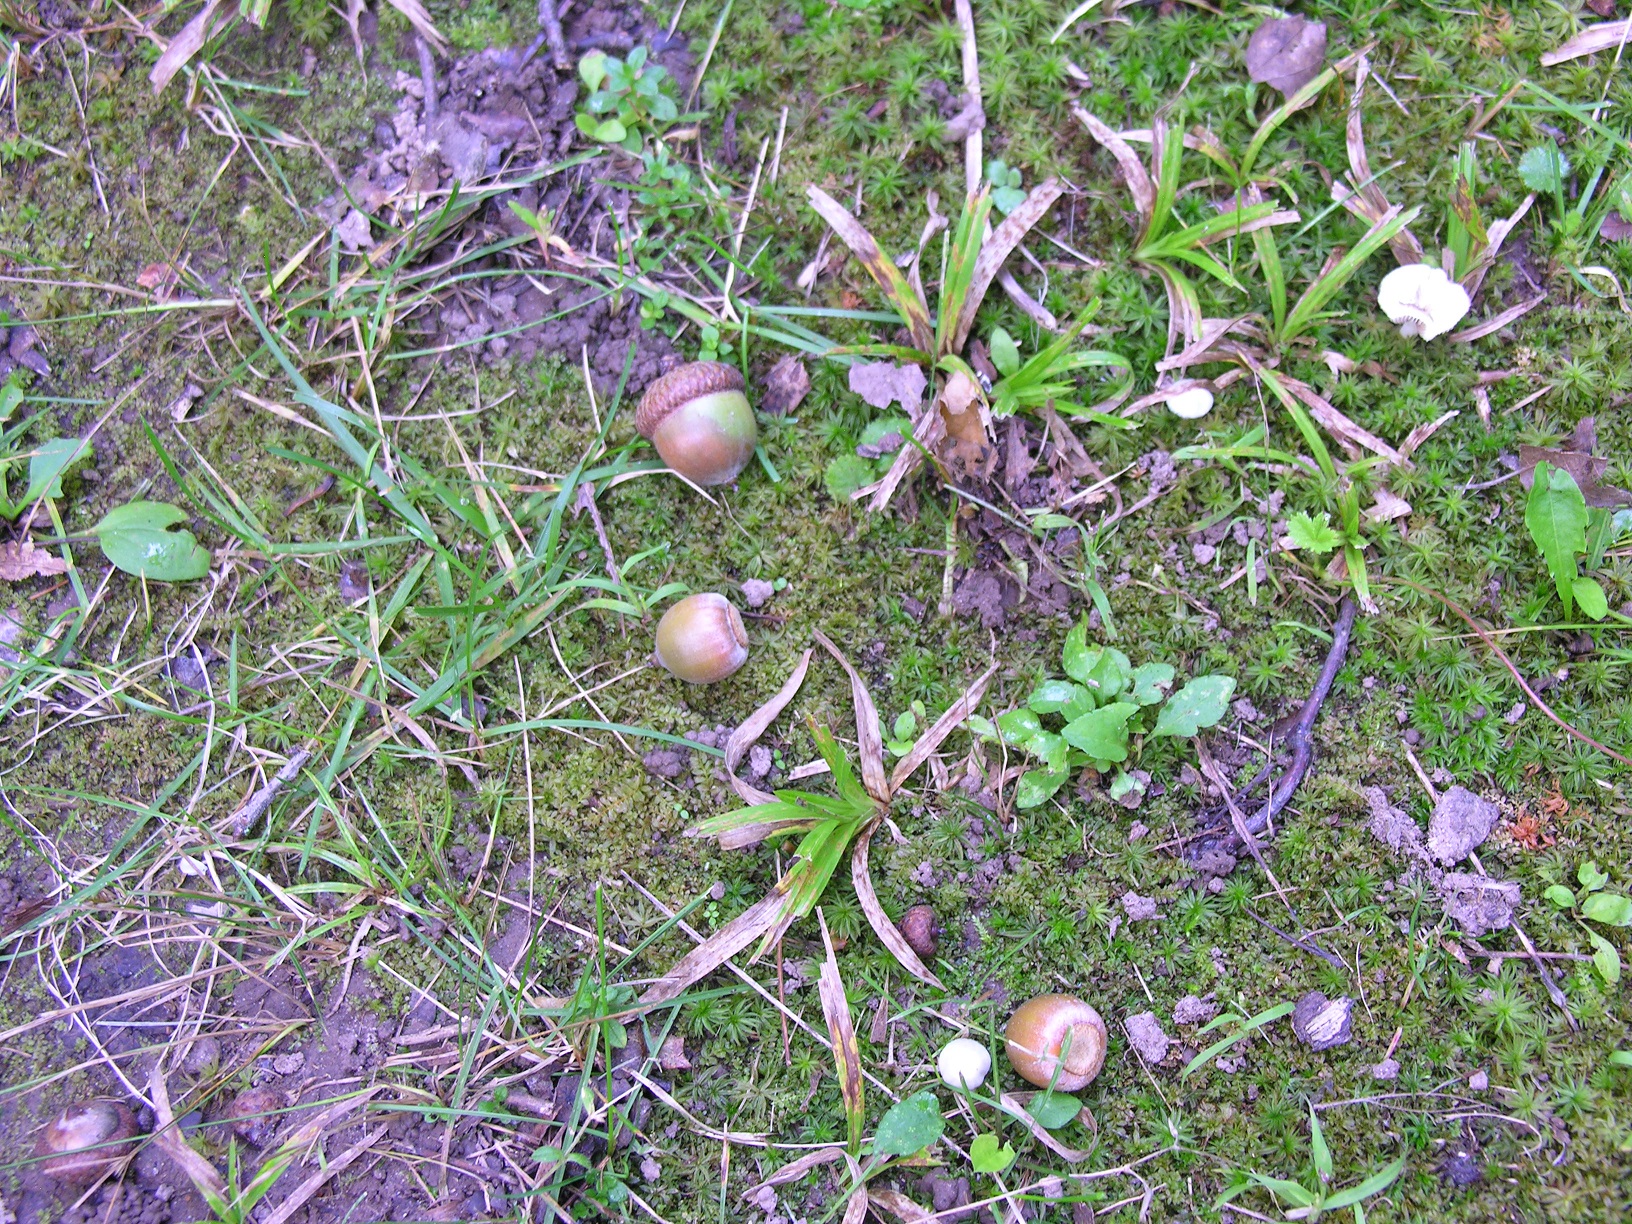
1191	403
1422	300
964	1063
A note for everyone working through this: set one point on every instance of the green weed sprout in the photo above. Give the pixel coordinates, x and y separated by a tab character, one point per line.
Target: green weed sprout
628	99
1310	1202
1593	904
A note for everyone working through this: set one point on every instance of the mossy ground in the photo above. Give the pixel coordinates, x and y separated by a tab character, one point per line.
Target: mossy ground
1553	1138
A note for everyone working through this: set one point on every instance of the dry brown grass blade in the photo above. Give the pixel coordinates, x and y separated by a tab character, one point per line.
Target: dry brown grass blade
1367	200
1590	41
869	738
927	434
1426	430
745	736
718	948
897	1204
188	42
1209	333
998	248
936	734
420	19
1497	234
1339	426
168	1136
795	1169
906	300
861	877
846	1054
1012	1106
1128	161
1496	322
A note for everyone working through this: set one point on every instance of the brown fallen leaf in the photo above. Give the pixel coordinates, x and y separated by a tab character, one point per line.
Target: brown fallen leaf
1605	36
967	423
1387	507
882	383
1616	228
1287	53
1585	469
20	559
786	386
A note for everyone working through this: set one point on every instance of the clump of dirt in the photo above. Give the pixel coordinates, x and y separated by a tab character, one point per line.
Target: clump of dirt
503	116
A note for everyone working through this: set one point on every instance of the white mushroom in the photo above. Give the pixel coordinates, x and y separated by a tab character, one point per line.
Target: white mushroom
964	1063
1422	300
1191	403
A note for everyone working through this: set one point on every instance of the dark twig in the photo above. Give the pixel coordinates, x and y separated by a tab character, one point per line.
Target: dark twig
427	76
245	818
1312	948
1300	740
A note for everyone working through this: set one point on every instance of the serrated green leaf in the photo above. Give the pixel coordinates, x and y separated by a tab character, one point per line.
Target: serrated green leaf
1611	909
143	538
1201	703
1035	787
1102	733
1544	168
1315	535
1054	1109
1556	514
845	475
909	1126
1561	896
986	1155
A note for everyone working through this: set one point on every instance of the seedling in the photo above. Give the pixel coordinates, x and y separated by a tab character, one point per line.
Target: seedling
1567	532
628	99
1109	709
1592	904
1007	193
1310	1202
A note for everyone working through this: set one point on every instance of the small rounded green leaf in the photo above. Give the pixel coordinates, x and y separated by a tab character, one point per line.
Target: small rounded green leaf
1591	876
142	538
1019	726
1102	733
1591	597
988	1156
1561	896
592	68
1606	959
1611	909
1054	1109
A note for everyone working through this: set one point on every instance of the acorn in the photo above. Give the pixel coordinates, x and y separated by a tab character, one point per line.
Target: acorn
919	928
86	1142
254	1114
699	419
701	639
1038	1032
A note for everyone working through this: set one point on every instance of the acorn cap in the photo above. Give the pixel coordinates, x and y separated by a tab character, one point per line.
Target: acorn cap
682	385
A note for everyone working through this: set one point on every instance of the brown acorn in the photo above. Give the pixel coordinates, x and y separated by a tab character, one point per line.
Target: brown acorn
919	928
1037	1033
699	419
85	1142
254	1114
701	639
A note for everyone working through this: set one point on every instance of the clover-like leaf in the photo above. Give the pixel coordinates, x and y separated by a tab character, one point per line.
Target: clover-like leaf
909	1126
143	538
1544	168
1201	703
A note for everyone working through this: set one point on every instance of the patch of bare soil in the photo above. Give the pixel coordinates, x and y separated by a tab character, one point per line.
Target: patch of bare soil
502	116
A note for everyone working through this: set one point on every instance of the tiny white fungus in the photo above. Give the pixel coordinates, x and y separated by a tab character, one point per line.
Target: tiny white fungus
964	1063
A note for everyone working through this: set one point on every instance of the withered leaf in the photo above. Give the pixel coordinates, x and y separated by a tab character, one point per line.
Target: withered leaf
20	559
786	386
1287	53
882	383
1616	228
1586	470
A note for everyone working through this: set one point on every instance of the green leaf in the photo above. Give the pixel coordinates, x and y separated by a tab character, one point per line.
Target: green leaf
1611	909
1018	727
1123	785
845	475
50	460
1621	1058
1054	1109
987	1156
905	725
1005	353
1151	682
1591	597
1102	733
1561	896
1050	749
1052	696
1556	515
138	538
909	1126
1075	657
611	131
592	68
1007	199
1544	168
1318	1149
1201	703
1605	958
1375	1184
1317	536
1035	787
10	396
1109	672
1591	876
